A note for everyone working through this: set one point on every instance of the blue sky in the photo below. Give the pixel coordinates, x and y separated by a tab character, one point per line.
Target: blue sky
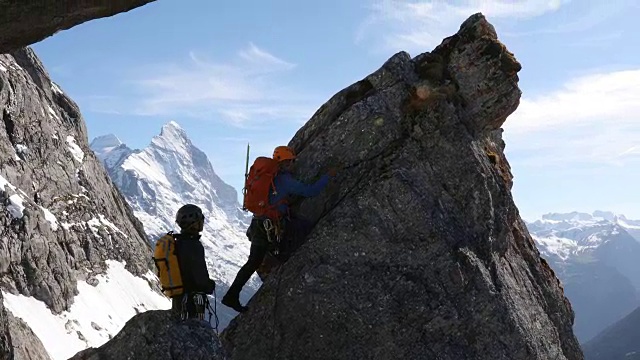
255	71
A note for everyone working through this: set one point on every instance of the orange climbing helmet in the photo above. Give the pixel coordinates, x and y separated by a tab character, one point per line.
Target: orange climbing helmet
282	153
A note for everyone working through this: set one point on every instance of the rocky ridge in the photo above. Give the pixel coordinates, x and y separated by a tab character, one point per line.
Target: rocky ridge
64	215
156	335
61	215
418	249
425	130
6	347
26	345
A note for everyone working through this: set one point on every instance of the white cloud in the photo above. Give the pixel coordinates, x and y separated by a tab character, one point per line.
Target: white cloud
244	92
594	119
589	14
613	96
415	25
260	57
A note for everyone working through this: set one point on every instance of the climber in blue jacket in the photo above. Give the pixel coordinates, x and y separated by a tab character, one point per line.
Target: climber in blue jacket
295	228
286	185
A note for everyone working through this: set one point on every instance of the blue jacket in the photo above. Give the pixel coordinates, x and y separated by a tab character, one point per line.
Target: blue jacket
286	185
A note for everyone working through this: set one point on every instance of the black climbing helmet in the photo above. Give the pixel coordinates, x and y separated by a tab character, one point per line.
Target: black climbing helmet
188	215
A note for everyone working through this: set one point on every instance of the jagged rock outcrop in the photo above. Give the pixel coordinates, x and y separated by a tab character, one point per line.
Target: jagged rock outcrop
26	345
156	335
6	348
23	23
620	341
64	214
418	250
61	217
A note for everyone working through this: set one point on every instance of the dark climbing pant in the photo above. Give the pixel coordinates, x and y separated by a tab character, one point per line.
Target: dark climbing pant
296	229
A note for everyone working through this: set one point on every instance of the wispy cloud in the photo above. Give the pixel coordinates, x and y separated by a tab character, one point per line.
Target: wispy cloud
244	91
259	57
586	15
414	25
593	119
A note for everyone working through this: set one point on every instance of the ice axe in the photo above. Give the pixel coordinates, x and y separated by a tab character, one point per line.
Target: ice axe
246	175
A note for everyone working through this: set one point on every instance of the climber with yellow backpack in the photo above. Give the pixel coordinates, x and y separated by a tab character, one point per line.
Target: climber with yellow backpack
268	185
181	265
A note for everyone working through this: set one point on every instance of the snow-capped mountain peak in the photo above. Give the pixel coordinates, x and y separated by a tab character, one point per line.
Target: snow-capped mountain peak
567	234
172	138
178	170
576	217
171	172
570	217
173	127
580	219
596	258
106	142
606	215
109	149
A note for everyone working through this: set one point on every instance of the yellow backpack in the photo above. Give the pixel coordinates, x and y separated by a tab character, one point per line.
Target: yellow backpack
167	265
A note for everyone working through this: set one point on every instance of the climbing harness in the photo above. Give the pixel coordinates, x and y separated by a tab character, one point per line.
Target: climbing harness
276	227
198	301
202	304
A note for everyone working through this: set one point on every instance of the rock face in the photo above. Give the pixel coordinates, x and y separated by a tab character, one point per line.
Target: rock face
6	347
620	341
23	23
156	335
171	172
26	345
64	214
418	250
61	217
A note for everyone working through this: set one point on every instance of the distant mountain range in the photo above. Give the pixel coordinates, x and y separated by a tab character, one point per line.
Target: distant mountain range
597	258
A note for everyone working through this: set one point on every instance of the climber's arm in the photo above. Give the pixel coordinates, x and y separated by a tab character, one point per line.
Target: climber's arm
295	187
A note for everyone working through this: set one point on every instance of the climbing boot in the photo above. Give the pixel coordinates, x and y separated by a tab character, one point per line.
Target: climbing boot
234	303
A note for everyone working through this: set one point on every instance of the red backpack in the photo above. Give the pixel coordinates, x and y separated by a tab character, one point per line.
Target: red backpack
257	187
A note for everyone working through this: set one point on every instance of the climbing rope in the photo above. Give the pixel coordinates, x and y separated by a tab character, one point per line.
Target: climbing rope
215	311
